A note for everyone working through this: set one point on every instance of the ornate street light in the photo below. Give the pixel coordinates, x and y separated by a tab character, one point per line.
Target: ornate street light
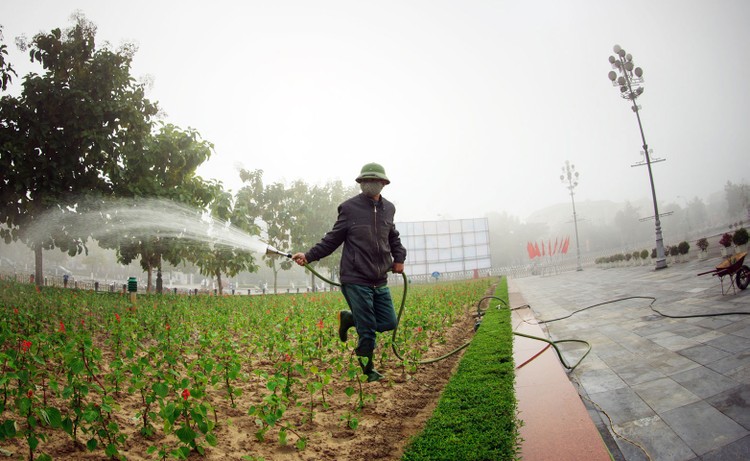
630	80
570	176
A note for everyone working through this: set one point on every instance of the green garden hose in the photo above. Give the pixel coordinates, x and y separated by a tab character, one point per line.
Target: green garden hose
651	306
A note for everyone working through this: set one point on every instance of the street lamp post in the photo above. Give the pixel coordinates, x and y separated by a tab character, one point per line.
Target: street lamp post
570	176
630	81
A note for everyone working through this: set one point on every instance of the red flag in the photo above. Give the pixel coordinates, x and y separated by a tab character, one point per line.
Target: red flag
556	247
565	245
530	250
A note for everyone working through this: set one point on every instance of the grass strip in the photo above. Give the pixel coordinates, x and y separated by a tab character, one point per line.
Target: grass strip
476	417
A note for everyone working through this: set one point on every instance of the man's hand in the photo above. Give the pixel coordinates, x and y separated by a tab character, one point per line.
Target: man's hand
299	258
398	268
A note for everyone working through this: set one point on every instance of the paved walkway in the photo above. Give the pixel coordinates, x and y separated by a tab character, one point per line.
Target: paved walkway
656	387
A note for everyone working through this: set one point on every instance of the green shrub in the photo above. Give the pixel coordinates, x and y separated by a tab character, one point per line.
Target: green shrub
740	236
683	247
702	243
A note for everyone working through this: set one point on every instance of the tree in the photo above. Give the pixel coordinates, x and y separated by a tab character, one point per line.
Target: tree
66	135
696	214
278	221
266	207
6	70
626	221
738	200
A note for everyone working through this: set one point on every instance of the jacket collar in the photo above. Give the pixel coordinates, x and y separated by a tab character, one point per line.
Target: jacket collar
378	203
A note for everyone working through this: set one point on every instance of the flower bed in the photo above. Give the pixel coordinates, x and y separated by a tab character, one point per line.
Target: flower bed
89	375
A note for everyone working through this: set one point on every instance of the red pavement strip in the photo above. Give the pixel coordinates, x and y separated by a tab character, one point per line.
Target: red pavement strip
556	425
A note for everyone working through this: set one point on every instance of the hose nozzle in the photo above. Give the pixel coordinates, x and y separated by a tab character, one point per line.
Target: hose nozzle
273	251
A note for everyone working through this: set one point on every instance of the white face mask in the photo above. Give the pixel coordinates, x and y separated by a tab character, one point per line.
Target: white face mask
371	188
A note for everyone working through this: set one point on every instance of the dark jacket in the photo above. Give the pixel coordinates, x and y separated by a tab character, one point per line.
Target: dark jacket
371	241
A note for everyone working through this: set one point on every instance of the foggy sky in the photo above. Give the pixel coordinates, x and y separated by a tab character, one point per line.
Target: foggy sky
472	106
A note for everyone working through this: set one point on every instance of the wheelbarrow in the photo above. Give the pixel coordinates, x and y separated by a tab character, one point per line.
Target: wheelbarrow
734	268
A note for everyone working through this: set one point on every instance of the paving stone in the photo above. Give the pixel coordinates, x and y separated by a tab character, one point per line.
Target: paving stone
675	342
703	354
703	427
669	362
730	343
601	380
734	403
653	436
741	375
736	451
730	363
664	394
745	332
638	372
622	405
704	382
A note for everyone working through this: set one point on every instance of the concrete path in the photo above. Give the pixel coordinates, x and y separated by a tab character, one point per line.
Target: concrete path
656	387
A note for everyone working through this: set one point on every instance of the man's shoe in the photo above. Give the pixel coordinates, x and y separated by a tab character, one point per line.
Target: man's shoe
368	368
346	321
374	376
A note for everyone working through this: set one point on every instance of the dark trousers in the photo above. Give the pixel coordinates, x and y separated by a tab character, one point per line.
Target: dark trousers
373	312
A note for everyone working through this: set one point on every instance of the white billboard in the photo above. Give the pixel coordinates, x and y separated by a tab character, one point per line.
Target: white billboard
446	246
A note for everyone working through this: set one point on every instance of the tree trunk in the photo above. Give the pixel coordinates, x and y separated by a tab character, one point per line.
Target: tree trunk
148	279
38	272
218	282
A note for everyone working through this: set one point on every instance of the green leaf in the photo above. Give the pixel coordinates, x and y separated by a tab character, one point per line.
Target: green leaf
8	429
92	444
24	405
301	444
55	417
32	441
77	366
185	434
160	389
111	450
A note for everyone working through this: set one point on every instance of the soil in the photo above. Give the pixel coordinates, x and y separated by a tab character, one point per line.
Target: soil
396	409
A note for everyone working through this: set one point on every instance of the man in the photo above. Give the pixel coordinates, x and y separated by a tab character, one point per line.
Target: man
372	248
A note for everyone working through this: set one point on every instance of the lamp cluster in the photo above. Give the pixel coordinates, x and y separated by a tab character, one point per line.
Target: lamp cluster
570	175
630	77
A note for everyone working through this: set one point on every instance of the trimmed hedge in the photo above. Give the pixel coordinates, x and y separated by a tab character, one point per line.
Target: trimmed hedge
475	418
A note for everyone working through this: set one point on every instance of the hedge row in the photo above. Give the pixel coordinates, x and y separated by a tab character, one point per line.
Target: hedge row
476	417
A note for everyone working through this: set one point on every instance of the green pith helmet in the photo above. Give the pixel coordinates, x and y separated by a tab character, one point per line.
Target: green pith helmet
373	171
